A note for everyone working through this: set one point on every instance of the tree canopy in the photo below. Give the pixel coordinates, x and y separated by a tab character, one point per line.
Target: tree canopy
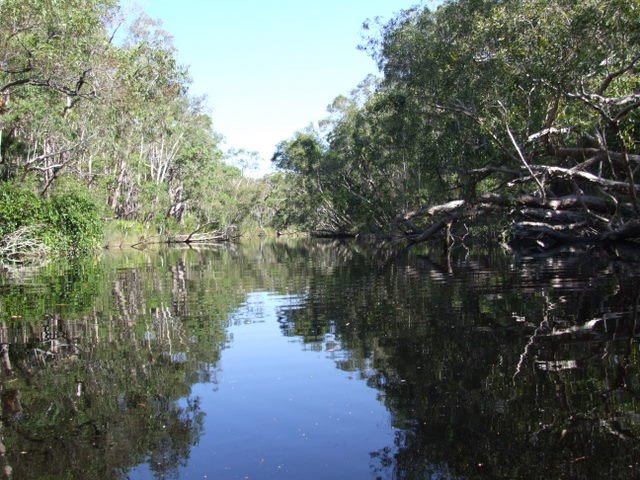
94	102
526	109
522	112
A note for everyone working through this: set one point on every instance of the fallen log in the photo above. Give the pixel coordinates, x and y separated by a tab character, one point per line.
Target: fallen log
201	238
624	232
430	232
571	174
434	210
555	217
563	220
584	153
539	231
602	208
219	236
561	203
577	233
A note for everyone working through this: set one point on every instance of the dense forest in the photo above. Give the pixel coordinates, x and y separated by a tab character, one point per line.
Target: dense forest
98	128
519	116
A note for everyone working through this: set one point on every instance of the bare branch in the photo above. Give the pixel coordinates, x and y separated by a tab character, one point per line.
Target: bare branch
524	161
42	157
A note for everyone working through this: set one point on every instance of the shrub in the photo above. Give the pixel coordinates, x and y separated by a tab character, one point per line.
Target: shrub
77	219
19	207
69	222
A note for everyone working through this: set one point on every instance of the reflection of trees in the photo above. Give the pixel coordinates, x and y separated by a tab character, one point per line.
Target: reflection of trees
490	368
94	354
89	387
445	343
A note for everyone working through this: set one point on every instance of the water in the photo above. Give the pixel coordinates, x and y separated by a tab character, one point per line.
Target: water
307	359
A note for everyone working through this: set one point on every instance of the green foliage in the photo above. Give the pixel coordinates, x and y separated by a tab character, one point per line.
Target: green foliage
288	204
70	221
114	117
459	83
19	207
77	219
123	232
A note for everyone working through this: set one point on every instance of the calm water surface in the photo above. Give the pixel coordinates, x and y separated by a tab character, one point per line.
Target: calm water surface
308	359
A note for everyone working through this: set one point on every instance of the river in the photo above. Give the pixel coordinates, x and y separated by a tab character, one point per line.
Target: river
321	359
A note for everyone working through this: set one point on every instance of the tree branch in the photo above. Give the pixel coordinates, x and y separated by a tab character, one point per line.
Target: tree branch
613	75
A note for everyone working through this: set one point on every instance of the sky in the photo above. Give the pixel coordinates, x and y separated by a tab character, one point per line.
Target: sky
270	67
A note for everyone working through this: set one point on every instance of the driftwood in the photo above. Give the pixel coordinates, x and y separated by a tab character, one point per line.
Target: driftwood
196	237
205	237
600	209
23	246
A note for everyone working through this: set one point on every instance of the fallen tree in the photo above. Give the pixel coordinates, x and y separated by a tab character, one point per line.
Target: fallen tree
198	236
600	210
23	246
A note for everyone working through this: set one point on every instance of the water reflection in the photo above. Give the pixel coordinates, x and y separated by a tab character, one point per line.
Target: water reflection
321	359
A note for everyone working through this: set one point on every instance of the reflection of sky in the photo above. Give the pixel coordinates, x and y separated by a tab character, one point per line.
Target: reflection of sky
282	411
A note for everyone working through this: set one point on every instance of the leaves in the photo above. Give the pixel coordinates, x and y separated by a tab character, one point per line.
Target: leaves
111	114
478	84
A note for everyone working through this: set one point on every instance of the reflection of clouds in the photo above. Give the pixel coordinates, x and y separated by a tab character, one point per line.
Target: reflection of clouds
254	309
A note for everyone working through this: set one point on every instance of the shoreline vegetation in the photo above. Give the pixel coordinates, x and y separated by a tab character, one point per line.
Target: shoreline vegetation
493	121
520	118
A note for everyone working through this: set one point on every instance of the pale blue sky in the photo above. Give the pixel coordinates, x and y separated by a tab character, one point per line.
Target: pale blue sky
270	67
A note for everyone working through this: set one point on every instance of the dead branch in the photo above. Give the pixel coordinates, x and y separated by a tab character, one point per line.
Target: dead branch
525	163
23	246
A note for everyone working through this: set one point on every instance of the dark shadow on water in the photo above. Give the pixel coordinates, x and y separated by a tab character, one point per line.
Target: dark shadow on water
491	365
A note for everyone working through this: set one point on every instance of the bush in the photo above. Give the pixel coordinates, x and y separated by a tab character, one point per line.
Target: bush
69	222
19	207
77	219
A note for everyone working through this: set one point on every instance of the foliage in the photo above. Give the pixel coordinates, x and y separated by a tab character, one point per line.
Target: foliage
77	219
122	232
18	207
111	113
68	222
287	205
481	96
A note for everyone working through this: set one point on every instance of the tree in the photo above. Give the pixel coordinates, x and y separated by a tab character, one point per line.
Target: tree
49	63
114	117
528	110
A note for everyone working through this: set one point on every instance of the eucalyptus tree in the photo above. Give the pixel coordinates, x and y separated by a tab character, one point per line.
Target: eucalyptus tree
83	103
49	54
528	109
